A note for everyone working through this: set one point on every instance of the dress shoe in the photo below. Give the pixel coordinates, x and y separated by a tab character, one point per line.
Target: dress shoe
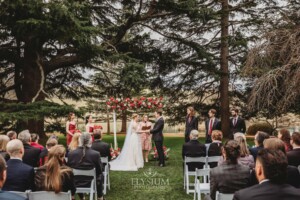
161	165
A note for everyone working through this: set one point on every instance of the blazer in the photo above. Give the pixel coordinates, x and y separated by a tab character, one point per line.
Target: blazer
292	178
228	178
10	196
90	160
240	125
214	149
157	131
216	125
294	157
194	148
31	155
67	179
190	125
102	147
20	176
268	190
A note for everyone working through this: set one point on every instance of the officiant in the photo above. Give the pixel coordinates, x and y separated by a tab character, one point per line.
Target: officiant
145	126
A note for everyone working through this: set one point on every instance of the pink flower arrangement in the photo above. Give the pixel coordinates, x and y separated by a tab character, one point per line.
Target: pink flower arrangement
155	153
135	103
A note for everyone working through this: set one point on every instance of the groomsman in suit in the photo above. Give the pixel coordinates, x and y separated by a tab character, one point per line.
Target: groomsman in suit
157	136
271	172
237	124
211	124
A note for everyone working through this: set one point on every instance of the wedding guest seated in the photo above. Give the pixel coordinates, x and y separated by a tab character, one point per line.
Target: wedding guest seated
3	194
51	142
230	176
215	148
35	141
100	146
259	143
54	175
31	155
74	142
245	158
285	136
194	148
20	176
3	142
270	169
12	135
85	158
294	155
293	176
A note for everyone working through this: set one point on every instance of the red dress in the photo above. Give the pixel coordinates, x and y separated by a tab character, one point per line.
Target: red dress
72	128
91	131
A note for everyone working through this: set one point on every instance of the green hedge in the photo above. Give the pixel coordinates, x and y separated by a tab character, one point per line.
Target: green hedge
263	126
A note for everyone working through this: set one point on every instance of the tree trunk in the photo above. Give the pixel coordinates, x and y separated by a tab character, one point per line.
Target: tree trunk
32	82
124	122
224	82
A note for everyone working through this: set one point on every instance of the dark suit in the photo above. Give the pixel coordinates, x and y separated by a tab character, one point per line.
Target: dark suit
158	138
292	178
254	151
294	157
216	126
103	148
228	178
90	160
239	126
190	124
20	176
268	190
10	196
194	148
31	155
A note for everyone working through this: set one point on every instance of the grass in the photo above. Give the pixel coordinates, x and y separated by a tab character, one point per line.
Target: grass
166	182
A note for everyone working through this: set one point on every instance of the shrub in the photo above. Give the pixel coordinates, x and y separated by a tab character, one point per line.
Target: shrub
263	126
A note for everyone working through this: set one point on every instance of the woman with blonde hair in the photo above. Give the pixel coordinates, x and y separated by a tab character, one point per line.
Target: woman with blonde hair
4	139
245	158
75	141
54	175
191	123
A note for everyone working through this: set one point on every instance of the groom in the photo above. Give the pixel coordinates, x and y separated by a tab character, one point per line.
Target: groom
157	136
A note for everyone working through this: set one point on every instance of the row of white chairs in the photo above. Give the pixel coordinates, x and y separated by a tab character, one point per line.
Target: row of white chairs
45	195
189	187
202	186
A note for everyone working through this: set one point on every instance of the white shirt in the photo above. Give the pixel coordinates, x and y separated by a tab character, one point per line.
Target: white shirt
265	180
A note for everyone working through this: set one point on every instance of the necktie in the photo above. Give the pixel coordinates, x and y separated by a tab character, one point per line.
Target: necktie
210	126
234	121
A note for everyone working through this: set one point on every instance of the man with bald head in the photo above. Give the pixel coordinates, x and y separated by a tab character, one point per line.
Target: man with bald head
20	176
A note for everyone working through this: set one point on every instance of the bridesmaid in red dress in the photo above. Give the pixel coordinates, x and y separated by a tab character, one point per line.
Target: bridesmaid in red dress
89	127
70	127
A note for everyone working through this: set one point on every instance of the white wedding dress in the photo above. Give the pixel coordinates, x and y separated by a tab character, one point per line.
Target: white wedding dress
131	156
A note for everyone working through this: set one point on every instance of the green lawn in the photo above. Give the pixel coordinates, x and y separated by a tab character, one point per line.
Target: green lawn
151	182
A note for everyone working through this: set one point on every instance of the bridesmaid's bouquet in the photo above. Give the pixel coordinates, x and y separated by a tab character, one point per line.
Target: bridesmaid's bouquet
155	153
114	152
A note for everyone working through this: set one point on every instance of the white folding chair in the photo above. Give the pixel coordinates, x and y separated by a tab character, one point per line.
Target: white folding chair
93	188
43	195
212	159
104	160
187	173
22	194
221	196
201	186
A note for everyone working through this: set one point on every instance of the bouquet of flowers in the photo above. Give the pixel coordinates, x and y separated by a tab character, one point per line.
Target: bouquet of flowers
155	153
114	152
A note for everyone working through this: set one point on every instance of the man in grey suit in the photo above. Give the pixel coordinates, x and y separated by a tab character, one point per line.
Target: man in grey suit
157	136
271	171
230	176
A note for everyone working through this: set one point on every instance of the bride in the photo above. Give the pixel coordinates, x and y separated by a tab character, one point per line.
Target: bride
131	157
